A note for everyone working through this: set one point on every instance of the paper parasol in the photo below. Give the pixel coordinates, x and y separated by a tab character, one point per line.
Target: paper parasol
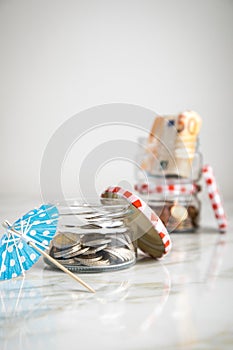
26	240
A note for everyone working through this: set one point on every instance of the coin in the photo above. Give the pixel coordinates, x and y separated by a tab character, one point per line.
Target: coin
77	253
90	227
66	261
95	250
102	263
115	253
96	242
194	215
67	252
125	253
65	240
179	212
92	249
93	262
90	258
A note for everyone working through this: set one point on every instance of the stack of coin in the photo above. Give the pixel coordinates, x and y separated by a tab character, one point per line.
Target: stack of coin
92	251
177	217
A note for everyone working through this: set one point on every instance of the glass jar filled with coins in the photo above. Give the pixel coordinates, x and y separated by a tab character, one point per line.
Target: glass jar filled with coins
172	164
94	237
176	203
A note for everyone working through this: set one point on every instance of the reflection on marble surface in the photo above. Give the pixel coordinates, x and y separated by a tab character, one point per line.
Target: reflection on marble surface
181	302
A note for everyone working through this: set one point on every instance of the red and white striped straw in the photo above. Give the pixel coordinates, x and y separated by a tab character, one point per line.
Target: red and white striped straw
215	198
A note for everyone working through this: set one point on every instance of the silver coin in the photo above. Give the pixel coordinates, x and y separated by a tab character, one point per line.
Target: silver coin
92	259
65	240
76	253
96	242
126	253
90	227
95	250
66	261
67	252
51	251
92	249
123	254
102	263
81	251
91	262
91	236
114	253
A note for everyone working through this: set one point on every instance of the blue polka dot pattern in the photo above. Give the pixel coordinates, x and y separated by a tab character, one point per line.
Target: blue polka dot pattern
16	256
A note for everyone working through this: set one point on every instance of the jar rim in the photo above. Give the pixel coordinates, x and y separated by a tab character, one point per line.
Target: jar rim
108	206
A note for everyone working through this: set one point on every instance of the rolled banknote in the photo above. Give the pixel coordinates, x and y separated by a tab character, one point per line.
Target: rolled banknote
171	145
188	125
160	146
153	146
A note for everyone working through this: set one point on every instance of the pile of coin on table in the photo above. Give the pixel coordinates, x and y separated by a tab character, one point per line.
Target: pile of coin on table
92	251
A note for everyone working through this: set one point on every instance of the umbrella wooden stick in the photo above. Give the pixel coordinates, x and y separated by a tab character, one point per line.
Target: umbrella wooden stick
7	225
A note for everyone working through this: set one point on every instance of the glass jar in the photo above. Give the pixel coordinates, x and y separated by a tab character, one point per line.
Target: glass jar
172	196
93	237
164	165
178	215
175	201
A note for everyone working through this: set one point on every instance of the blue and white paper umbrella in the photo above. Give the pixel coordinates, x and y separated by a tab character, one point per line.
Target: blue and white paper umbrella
26	240
37	226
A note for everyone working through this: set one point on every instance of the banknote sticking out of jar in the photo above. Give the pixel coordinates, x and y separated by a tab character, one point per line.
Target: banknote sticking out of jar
173	165
93	237
171	149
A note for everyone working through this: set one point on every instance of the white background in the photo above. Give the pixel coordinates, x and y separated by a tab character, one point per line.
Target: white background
60	57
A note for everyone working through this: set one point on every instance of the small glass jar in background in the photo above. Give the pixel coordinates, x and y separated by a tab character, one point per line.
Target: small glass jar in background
173	198
176	204
93	237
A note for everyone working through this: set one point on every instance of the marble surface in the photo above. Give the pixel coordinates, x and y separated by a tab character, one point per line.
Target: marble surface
182	302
